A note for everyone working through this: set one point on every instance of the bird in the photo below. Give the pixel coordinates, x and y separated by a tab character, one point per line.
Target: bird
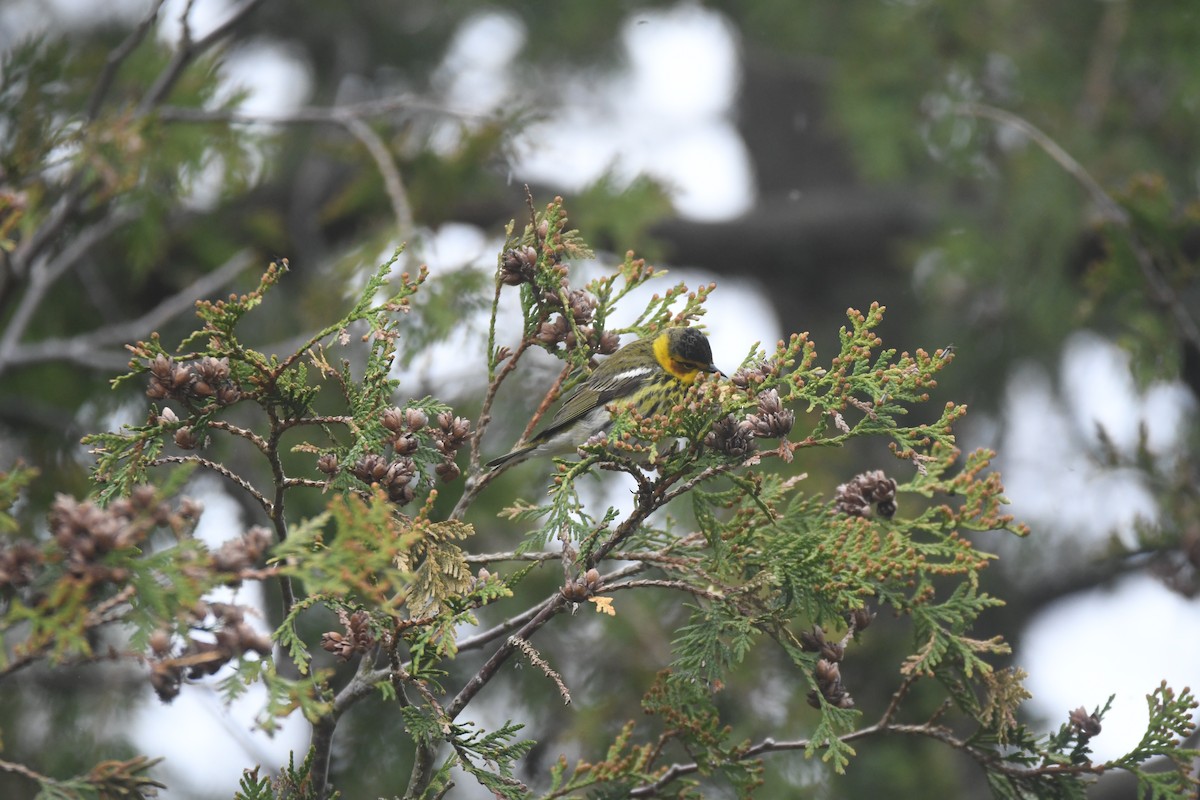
649	374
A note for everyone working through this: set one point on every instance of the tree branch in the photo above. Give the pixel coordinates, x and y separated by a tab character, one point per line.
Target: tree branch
682	586
392	181
244	433
480	679
314	115
84	349
66	206
655	557
117	57
650	498
221	469
187	52
44	274
986	758
361	685
476	481
1109	208
1160	292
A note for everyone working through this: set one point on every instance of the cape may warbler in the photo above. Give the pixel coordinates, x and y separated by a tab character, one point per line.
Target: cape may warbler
650	374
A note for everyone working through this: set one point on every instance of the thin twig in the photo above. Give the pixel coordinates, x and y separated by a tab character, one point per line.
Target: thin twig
222	470
657	557
248	435
485	411
392	181
21	769
535	658
551	395
541	614
650	497
83	349
333	419
100	614
1160	292
276	513
1108	207
117	57
510	624
705	474
309	483
477	481
986	758
490	558
481	678
897	696
186	53
314	115
682	586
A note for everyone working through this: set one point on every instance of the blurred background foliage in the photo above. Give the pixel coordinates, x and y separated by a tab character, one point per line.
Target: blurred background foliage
874	179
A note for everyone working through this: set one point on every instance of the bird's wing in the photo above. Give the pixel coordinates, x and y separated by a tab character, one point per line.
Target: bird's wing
606	384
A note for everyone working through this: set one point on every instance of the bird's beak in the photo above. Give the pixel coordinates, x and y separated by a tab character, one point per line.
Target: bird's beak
713	368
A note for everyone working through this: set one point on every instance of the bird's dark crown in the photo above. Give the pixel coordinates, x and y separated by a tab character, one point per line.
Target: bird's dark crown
689	345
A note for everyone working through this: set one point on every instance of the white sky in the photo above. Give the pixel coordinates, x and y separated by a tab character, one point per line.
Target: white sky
1075	652
668	113
1121	641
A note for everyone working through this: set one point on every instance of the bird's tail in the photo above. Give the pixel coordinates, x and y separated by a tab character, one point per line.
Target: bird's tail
515	456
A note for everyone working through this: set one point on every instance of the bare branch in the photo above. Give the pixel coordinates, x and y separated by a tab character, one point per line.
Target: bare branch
682	586
187	52
655	557
117	57
490	558
387	168
512	623
44	274
315	115
244	433
1108	207
222	470
331	419
310	483
650	498
480	679
983	756
707	474
85	348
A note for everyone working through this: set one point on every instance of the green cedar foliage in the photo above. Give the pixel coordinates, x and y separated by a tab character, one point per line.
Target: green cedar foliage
766	563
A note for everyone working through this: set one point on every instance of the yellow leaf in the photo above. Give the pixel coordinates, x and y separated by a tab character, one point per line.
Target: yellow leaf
604	605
